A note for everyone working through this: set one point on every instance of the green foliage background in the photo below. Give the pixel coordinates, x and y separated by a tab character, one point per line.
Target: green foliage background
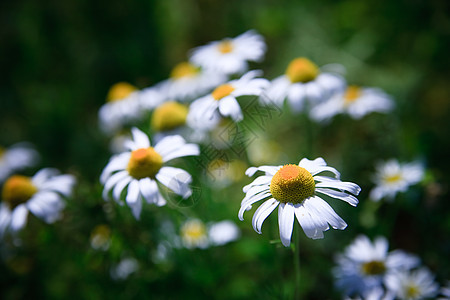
59	58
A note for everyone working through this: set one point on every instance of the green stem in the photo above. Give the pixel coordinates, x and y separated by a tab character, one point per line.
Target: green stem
297	264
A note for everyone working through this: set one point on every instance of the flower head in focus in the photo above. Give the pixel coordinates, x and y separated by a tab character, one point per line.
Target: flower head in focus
41	195
296	190
138	171
230	55
364	265
354	101
122	107
393	177
16	158
412	284
303	80
222	101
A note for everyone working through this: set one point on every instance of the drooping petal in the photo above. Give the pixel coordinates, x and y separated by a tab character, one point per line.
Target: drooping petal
286	222
228	106
321	208
18	217
339	195
262	213
112	181
149	190
175	179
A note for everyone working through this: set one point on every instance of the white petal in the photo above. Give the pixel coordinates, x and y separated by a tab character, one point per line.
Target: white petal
228	106
5	218
247	203
175	179
117	191
261	180
184	150
18	217
117	162
111	182
321	208
341	185
307	223
133	192
42	176
339	195
286	222
262	213
136	207
140	139
149	190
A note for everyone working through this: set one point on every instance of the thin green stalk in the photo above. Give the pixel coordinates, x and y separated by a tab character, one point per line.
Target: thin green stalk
297	264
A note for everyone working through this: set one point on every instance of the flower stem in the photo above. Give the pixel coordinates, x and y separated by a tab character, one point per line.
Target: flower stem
297	265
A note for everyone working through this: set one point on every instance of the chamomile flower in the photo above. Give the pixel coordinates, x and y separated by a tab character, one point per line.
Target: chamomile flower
296	190
188	82
303	80
15	158
223	101
355	101
364	265
138	171
169	118
197	234
122	107
411	285
124	268
41	195
393	177
101	237
230	55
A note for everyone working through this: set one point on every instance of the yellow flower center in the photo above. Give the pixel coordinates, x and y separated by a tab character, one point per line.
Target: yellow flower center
226	46
144	162
393	178
17	190
184	69
168	116
120	91
412	291
222	91
351	94
374	267
193	230
302	70
292	184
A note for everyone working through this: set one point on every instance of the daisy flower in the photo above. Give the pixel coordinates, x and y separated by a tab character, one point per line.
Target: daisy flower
392	177
101	237
138	171
41	195
355	101
15	158
364	265
296	190
169	117
188	81
303	80
122	107
230	55
196	234
410	285
124	268
223	101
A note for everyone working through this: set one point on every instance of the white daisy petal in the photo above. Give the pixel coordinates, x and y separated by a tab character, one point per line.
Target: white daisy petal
339	195
117	191
228	106
286	222
112	181
140	139
149	190
261	180
321	208
341	185
18	217
306	222
262	213
133	192
175	179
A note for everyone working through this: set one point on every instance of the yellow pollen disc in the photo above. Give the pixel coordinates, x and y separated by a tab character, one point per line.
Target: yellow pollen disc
374	267
144	162
292	184
302	70
193	230
168	116
17	190
184	69
222	91
393	178
225	46
412	291
351	94
120	91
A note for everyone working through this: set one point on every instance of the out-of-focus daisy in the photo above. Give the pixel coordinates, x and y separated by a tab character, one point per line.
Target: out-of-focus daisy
122	107
445	292
101	237
223	232
223	99
169	118
41	195
230	55
355	101
295	190
15	158
364	265
392	177
303	80
196	234
138	170
124	268
188	82
410	285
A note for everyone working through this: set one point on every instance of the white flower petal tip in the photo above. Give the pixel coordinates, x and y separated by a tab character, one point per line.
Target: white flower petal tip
296	190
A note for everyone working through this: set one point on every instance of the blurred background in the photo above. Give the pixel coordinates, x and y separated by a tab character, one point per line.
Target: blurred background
59	58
